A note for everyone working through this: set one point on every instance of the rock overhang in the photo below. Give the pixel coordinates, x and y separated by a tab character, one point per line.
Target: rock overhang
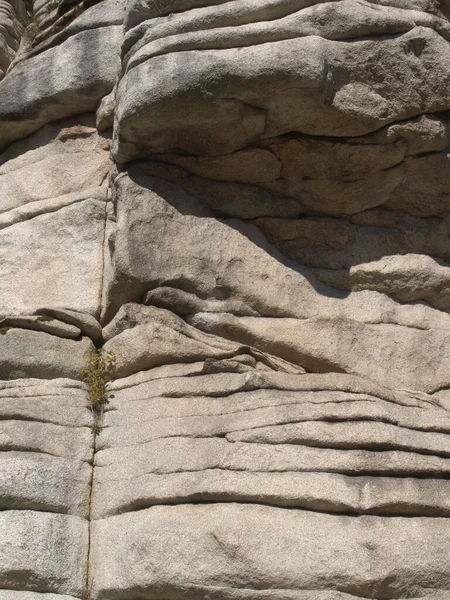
212	83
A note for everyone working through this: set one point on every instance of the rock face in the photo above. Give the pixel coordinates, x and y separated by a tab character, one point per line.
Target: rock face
245	204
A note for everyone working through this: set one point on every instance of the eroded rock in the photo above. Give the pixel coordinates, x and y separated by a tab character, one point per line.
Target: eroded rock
264	260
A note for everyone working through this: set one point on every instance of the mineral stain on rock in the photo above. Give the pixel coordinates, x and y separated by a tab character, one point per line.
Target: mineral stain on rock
245	203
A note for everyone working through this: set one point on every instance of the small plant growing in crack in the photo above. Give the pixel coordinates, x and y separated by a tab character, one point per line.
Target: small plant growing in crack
99	371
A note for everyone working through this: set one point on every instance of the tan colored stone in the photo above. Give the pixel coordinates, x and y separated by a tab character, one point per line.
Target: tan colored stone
195	549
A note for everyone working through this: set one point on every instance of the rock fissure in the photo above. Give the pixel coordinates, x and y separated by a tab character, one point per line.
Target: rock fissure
307	505
87	581
258	241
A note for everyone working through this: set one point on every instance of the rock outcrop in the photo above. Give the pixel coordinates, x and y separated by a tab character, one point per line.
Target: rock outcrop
244	205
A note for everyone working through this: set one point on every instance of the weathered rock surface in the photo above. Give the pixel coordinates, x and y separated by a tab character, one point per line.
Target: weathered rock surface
65	80
304	81
142	338
407	278
43	552
244	205
25	353
61	215
270	438
13	18
192	551
46	448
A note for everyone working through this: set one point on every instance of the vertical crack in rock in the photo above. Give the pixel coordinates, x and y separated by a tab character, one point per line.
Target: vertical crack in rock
100	370
105	271
86	592
269	274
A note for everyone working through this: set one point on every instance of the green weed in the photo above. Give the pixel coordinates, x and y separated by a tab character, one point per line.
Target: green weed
99	371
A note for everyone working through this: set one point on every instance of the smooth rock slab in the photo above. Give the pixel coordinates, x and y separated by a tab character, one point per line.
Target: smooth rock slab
26	353
54	260
43	552
184	551
67	442
358	434
333	493
205	416
29	405
58	160
46	410
175	381
39	482
178	454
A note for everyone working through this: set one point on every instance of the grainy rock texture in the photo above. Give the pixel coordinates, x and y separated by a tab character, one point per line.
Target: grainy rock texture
45	453
246	205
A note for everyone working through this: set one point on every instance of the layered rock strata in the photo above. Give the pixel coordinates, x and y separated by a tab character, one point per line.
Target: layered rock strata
246	204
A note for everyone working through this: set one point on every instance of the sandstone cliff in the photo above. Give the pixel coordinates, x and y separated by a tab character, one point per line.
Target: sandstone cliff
247	204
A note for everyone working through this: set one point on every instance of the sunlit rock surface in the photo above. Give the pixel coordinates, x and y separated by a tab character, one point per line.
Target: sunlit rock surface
246	203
